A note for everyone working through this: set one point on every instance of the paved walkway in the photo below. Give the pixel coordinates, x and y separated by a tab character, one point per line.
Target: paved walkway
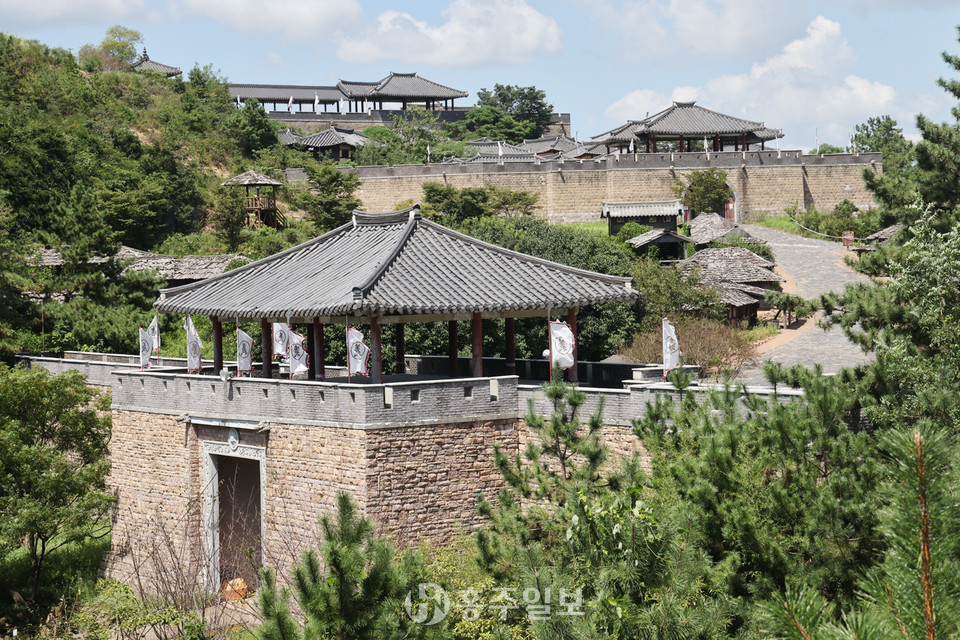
817	266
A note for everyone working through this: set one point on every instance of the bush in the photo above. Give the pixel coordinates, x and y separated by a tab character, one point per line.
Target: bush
632	230
712	345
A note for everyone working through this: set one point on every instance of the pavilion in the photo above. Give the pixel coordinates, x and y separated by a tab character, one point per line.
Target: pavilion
393	268
401	88
684	123
261	209
144	63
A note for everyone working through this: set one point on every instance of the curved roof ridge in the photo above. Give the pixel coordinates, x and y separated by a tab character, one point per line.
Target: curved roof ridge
395	251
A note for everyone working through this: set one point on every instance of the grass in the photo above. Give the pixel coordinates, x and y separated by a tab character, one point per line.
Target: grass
593	228
759	331
781	223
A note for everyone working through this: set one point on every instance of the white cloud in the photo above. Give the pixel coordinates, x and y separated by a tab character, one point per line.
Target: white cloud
476	32
636	105
22	15
274	58
676	31
307	19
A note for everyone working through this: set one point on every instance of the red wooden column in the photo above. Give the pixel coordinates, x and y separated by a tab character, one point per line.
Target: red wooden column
654	143
319	353
266	337
510	329
452	349
217	345
311	360
572	374
476	330
401	349
376	363
681	144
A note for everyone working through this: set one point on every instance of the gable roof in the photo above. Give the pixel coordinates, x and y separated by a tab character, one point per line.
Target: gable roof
884	234
486	145
707	227
144	63
658	236
400	86
252	179
730	264
394	264
548	144
336	136
661	208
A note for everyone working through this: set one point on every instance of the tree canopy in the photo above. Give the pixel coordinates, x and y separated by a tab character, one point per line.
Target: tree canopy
523	103
703	190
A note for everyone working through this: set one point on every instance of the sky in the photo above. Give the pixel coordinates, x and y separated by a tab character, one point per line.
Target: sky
813	69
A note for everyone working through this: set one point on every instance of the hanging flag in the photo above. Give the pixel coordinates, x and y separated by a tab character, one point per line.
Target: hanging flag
671	348
562	344
499	148
238	101
316	102
290	104
154	331
299	360
146	348
357	353
631	146
194	347
244	352
281	339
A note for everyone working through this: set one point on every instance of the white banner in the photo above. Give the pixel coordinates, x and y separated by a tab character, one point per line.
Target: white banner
194	347
299	360
281	339
671	348
146	348
562	344
244	352
154	331
357	353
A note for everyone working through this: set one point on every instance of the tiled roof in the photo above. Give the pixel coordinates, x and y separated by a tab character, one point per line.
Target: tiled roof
707	227
394	264
494	158
623	133
301	94
400	86
883	234
730	264
546	144
144	63
593	150
252	179
663	208
493	146
288	137
688	119
658	236
169	267
336	136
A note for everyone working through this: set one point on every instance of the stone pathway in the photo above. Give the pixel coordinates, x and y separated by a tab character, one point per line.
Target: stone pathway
817	266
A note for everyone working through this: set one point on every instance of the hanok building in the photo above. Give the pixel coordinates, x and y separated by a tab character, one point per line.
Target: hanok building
144	63
659	215
292	97
335	143
711	227
684	123
216	468
742	277
403	89
669	244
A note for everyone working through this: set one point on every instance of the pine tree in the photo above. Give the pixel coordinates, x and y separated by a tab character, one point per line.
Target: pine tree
355	594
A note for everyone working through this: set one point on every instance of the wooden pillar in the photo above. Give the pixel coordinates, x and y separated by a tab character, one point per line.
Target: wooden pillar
648	145
743	145
510	328
716	142
217	345
319	352
681	144
311	358
266	337
654	144
401	349
452	349
376	364
572	373
476	331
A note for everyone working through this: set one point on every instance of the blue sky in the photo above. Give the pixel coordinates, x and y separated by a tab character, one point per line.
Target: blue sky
813	69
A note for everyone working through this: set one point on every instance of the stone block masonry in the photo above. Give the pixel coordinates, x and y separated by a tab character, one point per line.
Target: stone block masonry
572	191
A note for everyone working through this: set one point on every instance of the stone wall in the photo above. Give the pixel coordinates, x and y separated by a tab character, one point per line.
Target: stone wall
572	191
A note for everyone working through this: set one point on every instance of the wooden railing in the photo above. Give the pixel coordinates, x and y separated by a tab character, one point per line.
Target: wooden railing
261	203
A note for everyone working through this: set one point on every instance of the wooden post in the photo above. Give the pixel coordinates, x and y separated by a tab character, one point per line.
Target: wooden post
572	373
318	354
681	143
452	349
476	330
311	360
217	345
654	144
401	349
376	363
266	335
511	335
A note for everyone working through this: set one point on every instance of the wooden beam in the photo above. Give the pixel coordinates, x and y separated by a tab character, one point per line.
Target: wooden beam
376	352
452	349
401	348
476	330
319	353
572	373
266	346
510	328
217	345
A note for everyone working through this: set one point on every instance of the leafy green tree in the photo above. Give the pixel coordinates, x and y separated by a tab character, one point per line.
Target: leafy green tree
523	103
53	465
826	148
355	594
333	198
491	122
460	204
896	187
116	52
414	138
229	216
252	127
15	282
704	191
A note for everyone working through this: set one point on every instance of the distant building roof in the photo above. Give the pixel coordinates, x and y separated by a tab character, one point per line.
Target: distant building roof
252	179
884	234
169	267
301	94
665	208
707	227
336	136
493	146
550	144
730	264
288	137
494	158
144	63
658	236
400	86
688	119
589	150
395	264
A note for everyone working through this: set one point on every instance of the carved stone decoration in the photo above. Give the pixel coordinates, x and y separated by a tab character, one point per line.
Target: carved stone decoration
240	451
233	439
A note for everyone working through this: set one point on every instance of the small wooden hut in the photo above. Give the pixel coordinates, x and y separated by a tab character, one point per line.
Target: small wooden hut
261	205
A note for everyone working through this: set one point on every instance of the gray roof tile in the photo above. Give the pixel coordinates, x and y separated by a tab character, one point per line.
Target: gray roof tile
336	136
401	265
707	227
301	94
400	86
252	179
